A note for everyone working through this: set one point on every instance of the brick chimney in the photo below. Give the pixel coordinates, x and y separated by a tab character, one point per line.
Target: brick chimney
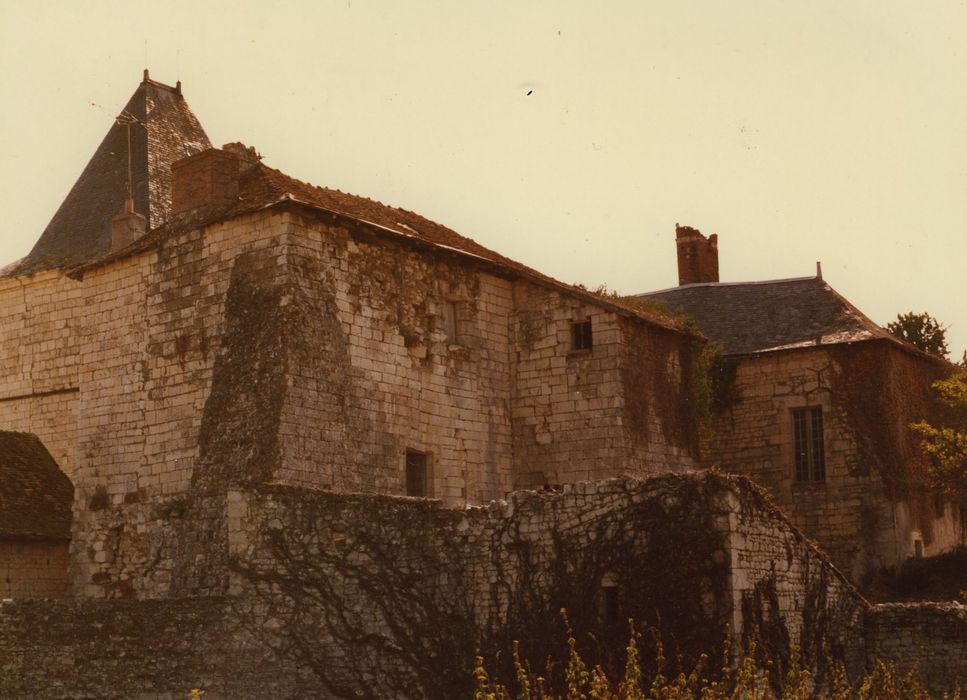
208	179
698	256
127	227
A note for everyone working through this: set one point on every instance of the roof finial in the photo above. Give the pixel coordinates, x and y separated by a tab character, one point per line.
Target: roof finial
145	75
819	270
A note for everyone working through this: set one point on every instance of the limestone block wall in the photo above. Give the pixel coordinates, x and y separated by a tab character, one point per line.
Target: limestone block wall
33	569
932	636
614	408
853	514
38	361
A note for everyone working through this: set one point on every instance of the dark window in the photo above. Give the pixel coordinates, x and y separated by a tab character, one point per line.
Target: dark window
581	335
416	476
808	433
450	320
918	549
609	605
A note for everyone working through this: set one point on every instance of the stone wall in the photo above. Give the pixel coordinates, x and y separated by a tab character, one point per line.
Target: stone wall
862	519
784	590
930	636
33	568
310	349
384	572
340	595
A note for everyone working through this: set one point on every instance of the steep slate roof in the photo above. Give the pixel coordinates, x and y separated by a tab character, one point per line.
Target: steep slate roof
166	131
749	317
35	495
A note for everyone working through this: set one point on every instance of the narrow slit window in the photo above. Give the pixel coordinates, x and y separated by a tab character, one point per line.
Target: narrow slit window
416	474
581	338
809	449
450	321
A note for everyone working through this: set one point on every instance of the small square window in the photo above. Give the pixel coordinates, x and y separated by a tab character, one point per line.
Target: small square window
581	336
416	474
808	444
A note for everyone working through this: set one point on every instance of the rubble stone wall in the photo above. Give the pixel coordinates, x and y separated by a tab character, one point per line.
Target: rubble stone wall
932	636
341	595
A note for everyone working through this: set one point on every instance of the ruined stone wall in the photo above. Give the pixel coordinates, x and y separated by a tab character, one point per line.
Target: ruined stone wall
33	569
336	595
415	588
853	514
784	592
930	636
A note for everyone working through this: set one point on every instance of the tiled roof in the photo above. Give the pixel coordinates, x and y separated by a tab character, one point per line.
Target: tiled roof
165	131
35	495
749	317
261	187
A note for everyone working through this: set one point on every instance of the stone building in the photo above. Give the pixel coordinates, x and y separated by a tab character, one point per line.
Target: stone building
322	447
813	401
226	318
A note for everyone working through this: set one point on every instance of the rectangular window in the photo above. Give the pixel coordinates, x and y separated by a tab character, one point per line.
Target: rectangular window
450	320
581	335
416	474
808	444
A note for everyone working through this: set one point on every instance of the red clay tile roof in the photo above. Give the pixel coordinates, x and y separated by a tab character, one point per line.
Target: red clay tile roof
261	187
165	131
35	495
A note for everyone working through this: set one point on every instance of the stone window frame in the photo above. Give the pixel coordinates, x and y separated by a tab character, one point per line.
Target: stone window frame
417	459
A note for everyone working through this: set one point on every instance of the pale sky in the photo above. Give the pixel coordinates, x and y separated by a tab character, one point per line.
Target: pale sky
797	131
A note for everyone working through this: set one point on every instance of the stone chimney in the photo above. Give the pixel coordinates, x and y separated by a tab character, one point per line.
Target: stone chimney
206	179
127	227
698	256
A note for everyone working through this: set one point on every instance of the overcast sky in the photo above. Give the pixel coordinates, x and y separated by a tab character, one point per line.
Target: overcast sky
570	136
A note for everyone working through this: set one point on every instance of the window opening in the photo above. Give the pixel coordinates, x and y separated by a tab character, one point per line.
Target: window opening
610	610
581	336
808	438
450	320
416	474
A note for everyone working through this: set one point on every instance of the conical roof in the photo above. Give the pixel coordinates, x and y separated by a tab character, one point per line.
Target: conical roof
163	130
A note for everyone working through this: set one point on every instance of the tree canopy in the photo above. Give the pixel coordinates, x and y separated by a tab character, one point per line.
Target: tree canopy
946	443
922	331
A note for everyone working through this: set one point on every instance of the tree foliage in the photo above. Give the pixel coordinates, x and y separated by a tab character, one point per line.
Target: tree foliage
922	331
946	443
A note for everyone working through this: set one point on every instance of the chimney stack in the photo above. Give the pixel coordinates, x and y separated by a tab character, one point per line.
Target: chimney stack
127	227
206	179
698	256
